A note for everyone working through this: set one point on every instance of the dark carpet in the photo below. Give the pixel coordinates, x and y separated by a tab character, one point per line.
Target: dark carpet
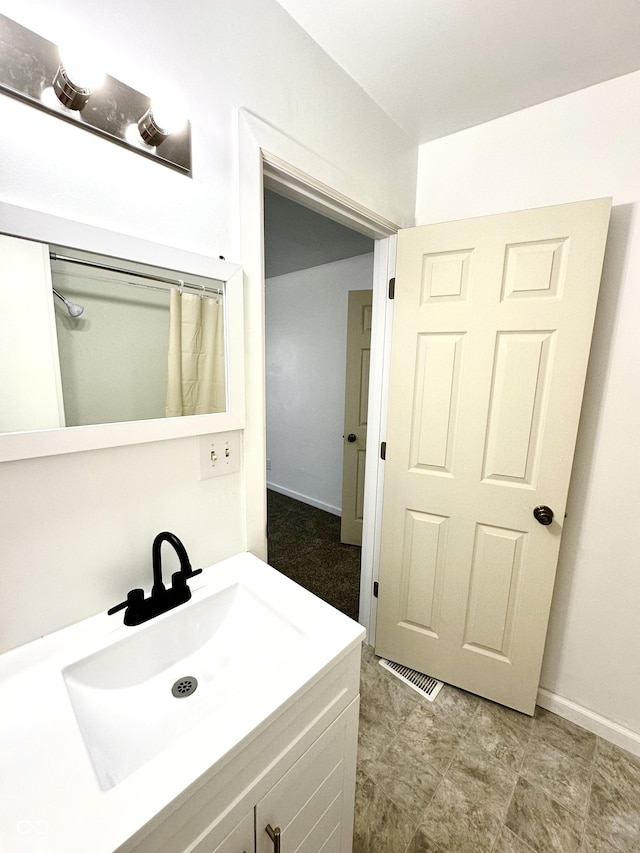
304	544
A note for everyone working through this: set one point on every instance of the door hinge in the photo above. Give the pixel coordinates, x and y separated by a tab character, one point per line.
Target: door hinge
383	450
392	288
375	589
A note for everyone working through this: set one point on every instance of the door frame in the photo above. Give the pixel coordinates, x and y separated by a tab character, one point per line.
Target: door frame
270	159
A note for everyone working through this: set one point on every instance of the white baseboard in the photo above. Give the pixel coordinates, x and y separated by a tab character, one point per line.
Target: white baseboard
589	720
305	499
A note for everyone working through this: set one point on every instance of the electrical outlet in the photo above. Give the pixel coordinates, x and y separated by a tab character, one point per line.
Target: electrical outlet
219	454
268	464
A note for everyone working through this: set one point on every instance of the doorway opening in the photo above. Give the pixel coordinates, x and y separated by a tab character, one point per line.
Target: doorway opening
312	263
270	159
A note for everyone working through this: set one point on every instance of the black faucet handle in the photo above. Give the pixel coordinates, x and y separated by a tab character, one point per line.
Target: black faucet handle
179	579
134	596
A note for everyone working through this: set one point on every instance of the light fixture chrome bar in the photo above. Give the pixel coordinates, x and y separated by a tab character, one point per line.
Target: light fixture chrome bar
177	282
29	65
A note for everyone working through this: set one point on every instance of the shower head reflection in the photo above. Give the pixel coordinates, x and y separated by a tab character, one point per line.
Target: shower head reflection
73	308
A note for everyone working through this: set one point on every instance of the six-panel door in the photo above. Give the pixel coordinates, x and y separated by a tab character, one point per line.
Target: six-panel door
491	334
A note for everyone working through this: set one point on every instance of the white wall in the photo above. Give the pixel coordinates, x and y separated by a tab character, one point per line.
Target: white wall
216	56
306	351
584	145
76	530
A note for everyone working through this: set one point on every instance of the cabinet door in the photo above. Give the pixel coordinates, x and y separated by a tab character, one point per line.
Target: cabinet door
312	804
240	840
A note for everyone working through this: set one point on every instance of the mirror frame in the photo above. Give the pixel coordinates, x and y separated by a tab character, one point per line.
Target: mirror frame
44	228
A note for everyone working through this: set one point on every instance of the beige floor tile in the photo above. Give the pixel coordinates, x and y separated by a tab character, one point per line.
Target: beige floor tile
482	778
384	700
597	845
373	739
565	736
510	843
420	843
619	765
455	704
380	825
502	732
464	775
614	808
563	778
458	824
402	771
541	822
438	737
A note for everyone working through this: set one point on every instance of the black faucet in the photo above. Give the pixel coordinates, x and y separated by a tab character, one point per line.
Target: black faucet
140	609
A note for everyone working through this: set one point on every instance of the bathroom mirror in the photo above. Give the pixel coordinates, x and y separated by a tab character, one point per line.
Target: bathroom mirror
108	375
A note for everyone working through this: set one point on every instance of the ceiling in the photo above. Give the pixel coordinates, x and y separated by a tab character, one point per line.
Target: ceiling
439	66
296	238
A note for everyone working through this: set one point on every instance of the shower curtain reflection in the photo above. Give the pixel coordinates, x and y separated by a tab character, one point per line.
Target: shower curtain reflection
196	377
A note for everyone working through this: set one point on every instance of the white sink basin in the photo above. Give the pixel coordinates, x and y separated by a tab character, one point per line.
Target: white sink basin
234	643
99	747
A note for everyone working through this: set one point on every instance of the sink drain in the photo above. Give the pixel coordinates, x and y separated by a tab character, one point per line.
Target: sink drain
184	686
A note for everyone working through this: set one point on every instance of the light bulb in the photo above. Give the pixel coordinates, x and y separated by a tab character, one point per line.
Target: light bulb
167	115
159	121
77	77
82	68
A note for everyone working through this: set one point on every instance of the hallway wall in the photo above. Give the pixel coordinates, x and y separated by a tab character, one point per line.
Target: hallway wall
306	351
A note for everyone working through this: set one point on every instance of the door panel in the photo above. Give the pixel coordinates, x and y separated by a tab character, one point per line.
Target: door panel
437	388
517	406
496	570
425	538
492	328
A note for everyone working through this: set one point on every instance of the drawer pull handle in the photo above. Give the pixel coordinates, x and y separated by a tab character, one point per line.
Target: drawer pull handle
274	835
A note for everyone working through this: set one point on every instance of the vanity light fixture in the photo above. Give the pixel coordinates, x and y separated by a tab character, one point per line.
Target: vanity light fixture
150	130
160	121
34	71
75	81
70	94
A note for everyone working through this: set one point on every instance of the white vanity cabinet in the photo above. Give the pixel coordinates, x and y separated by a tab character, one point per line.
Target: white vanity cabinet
242	838
312	804
239	839
114	763
297	774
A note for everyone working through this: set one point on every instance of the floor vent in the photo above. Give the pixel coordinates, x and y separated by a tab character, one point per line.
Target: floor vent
423	684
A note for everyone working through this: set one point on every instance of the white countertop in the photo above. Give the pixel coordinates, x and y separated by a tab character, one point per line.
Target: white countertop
50	798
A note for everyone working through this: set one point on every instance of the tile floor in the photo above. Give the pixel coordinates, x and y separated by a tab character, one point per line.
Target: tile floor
463	775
